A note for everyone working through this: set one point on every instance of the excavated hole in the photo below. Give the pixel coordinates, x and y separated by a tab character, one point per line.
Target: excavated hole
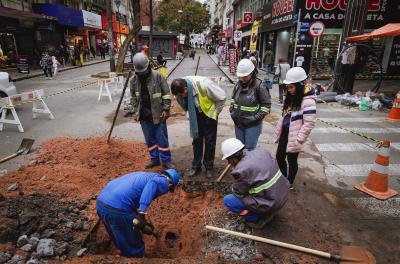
170	238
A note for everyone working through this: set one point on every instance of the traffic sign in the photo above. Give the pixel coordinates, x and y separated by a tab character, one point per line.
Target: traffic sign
247	17
316	28
237	36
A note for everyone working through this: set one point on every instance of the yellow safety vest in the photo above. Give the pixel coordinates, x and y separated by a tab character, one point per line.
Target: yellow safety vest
207	106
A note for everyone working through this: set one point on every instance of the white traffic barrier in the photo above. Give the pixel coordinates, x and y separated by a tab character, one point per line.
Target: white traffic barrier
105	84
8	104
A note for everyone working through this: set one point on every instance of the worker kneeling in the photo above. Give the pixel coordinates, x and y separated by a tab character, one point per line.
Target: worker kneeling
259	190
122	207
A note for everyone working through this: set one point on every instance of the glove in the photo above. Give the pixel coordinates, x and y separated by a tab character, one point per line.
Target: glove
140	221
148	229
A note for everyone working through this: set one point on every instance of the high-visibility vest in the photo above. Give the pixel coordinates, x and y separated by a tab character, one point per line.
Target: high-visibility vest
207	106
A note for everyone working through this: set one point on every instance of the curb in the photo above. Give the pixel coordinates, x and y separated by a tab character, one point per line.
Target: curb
62	70
176	66
227	76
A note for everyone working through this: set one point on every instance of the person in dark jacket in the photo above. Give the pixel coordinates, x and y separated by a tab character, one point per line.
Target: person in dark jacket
249	105
122	207
259	189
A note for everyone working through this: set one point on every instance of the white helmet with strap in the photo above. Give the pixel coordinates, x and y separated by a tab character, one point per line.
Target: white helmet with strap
231	146
295	75
245	67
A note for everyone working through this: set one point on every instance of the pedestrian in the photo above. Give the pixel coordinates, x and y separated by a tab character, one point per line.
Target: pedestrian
123	203
103	51
46	65
204	100
160	60
151	101
297	120
249	105
55	64
86	53
192	53
267	60
281	70
259	190
93	51
77	56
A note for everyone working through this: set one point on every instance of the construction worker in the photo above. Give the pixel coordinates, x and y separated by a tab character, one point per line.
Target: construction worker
259	189
204	100
151	101
249	105
145	50
122	207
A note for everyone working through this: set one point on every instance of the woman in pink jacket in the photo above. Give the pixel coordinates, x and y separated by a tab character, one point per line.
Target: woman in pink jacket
297	121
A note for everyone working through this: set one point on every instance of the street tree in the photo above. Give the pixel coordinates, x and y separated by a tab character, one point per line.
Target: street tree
188	16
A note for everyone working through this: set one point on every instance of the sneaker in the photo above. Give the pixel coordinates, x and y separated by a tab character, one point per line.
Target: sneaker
260	223
168	165
209	173
151	164
193	172
291	187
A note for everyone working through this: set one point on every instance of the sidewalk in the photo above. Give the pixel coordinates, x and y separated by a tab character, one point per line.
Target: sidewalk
16	76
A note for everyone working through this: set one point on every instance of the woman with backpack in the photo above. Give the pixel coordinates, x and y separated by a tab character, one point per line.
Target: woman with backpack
297	120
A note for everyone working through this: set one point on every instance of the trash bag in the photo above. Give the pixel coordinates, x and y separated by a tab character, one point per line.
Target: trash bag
365	104
376	105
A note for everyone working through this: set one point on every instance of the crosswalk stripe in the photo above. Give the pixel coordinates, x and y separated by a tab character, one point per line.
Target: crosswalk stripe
363	130
357	170
354	119
344	147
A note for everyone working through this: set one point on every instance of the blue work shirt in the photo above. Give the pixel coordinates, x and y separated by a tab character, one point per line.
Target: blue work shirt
134	191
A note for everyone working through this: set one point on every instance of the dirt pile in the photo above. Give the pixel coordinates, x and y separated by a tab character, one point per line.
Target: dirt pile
76	168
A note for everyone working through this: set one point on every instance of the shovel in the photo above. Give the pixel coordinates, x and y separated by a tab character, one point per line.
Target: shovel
348	254
25	146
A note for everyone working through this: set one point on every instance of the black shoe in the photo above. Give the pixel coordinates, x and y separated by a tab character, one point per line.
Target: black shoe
194	172
209	173
260	223
168	165
151	164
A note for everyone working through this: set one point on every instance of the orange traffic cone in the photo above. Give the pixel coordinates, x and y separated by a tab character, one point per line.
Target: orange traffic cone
377	184
394	114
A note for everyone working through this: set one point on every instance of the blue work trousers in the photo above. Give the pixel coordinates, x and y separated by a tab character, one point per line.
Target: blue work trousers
249	136
204	144
236	205
156	136
119	227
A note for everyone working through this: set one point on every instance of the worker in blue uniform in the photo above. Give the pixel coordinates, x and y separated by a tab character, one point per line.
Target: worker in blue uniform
122	206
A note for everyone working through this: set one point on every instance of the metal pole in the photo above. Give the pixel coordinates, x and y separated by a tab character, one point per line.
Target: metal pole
151	28
110	36
297	37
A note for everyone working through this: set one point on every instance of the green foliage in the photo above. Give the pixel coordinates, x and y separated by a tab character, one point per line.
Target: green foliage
194	17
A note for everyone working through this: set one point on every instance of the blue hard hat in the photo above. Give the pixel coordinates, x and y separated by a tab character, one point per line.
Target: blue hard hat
173	175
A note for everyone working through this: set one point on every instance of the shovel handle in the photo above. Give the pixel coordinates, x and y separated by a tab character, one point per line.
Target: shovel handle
272	242
222	175
9	157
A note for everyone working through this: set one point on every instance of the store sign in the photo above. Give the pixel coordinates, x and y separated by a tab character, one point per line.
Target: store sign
23	65
232	61
332	12
316	29
254	36
247	17
91	20
237	36
278	14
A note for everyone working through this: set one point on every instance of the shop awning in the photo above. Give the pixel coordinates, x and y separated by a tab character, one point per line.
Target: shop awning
389	30
23	15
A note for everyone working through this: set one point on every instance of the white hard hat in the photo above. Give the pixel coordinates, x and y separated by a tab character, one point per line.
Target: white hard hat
140	62
244	68
230	146
295	75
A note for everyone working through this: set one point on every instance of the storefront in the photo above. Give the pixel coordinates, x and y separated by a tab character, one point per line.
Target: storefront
318	55
246	32
93	25
278	30
120	30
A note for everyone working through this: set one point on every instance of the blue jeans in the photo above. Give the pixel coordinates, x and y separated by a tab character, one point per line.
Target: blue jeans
120	229
249	136
156	136
236	205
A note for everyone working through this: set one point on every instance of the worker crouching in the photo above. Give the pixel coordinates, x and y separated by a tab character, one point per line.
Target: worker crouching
259	189
122	207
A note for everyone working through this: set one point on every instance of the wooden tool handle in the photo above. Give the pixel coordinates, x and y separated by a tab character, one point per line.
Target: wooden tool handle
271	242
222	175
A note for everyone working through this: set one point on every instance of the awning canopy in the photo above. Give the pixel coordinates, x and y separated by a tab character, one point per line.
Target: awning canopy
389	30
22	15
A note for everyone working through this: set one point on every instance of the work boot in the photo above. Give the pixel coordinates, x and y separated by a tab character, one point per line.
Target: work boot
151	164
209	173
260	223
168	165
193	172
